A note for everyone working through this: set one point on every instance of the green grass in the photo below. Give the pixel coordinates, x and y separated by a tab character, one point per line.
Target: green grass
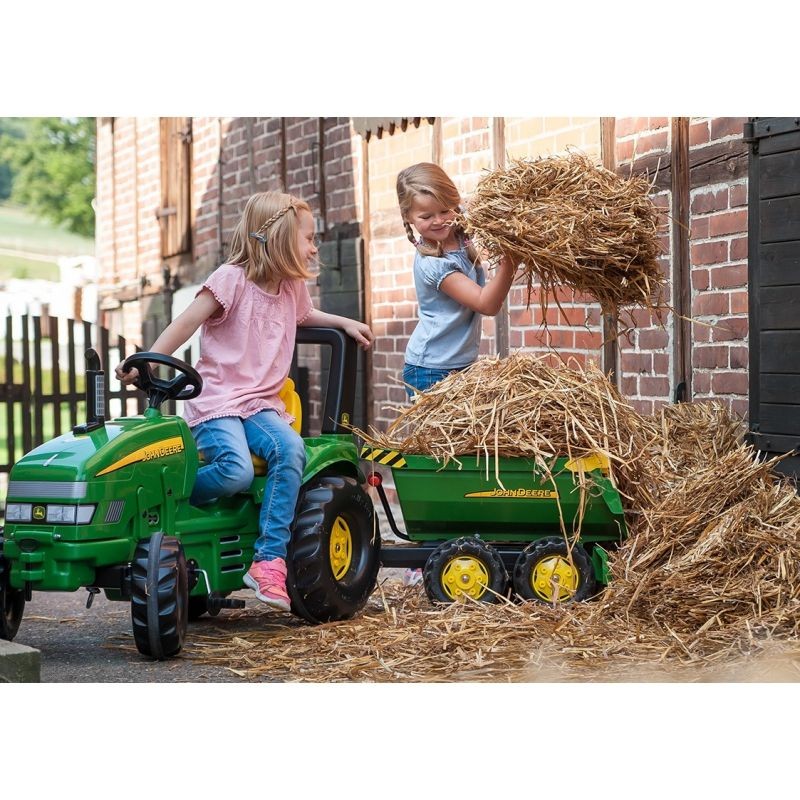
19	267
20	230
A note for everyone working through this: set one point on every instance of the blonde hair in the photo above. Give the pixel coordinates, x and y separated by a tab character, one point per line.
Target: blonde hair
273	216
432	180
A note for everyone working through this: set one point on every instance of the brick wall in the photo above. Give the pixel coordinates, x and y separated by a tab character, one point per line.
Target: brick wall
244	155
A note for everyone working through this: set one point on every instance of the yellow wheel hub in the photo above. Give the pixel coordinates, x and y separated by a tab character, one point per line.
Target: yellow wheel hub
465	575
341	548
554	579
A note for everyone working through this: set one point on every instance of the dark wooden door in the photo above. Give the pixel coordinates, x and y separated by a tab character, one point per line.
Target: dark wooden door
774	281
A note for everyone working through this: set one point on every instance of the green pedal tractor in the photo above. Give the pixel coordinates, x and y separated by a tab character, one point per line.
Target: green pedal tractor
106	507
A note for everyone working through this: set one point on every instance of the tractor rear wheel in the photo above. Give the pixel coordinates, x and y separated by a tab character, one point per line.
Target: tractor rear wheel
464	567
159	596
549	571
334	553
12	601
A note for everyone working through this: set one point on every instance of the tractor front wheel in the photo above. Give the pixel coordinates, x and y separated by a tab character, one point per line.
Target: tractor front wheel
159	596
12	601
549	571
334	554
464	567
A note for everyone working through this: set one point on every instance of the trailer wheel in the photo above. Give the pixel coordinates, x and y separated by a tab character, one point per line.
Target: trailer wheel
550	572
464	567
159	596
334	553
12	601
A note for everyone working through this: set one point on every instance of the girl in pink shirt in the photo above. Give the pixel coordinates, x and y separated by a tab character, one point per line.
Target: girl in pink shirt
249	309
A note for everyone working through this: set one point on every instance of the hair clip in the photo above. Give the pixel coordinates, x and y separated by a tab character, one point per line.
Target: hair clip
260	237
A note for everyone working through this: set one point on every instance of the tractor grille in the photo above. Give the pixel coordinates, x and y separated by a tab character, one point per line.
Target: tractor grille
114	512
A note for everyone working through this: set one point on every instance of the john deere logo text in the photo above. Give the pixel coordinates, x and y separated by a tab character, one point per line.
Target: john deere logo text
517	494
166	447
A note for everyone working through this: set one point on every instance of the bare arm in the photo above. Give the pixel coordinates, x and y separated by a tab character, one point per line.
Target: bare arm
487	300
179	331
352	327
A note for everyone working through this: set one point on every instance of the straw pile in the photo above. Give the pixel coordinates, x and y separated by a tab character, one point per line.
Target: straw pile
707	581
572	223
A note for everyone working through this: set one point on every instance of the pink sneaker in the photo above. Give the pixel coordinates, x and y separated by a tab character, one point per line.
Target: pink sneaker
268	578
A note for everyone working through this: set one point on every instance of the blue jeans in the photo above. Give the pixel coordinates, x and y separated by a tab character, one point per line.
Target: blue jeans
226	444
423	378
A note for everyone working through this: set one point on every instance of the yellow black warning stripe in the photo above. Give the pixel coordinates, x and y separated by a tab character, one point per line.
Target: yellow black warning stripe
391	458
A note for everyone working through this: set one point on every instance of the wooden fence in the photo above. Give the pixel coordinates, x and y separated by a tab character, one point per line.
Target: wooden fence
42	387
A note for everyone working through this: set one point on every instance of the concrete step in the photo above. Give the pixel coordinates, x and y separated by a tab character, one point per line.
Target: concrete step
19	664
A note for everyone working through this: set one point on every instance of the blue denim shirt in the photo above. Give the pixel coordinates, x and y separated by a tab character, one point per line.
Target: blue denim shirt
448	334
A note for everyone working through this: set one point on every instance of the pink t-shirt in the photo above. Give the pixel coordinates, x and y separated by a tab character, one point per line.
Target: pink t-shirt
246	351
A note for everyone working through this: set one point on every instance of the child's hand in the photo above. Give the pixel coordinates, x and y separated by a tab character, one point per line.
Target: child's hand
126	377
360	332
507	262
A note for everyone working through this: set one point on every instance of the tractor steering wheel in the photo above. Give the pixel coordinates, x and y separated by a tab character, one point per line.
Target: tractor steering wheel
184	386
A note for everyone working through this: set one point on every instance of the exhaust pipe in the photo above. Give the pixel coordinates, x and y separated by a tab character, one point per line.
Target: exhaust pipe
95	394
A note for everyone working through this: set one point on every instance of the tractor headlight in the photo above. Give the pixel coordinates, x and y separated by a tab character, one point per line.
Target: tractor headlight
70	515
18	512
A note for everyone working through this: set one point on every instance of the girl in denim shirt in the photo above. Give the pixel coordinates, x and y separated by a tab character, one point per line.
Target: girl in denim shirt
452	292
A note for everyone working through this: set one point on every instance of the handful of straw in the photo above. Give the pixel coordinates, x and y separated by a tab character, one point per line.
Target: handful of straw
572	223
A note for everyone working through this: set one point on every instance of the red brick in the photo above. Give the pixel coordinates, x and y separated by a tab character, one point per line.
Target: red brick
647	143
729	277
701	279
641	363
698	133
627	126
644	407
654	123
654	387
701	333
730	329
739	249
739	407
739	357
699	228
709	253
732	222
713	303
712	357
704	202
521	316
588	340
654	339
730	383
738	195
727	126
629	385
701	382
661	363
739	302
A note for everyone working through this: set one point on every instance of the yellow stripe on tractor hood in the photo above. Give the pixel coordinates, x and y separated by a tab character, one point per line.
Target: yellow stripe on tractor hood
166	447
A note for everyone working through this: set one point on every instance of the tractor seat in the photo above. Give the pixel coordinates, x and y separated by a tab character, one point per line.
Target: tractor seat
293	407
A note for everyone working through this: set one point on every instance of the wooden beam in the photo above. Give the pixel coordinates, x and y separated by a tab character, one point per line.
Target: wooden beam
681	268
437	142
716	163
501	320
610	354
284	181
366	234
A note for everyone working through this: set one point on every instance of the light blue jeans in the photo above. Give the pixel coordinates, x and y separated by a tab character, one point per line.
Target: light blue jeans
226	444
423	378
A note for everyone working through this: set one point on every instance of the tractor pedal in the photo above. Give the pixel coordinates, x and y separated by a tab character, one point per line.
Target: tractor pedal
224	602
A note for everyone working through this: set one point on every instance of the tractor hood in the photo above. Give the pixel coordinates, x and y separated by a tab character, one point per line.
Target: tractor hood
114	452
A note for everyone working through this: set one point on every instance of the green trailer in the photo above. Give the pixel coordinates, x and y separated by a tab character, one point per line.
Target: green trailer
544	535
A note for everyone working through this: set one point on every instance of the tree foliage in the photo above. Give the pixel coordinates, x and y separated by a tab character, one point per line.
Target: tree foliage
53	170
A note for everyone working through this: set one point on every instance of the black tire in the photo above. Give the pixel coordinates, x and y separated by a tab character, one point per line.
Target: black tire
464	566
547	571
334	554
198	605
12	601
159	596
